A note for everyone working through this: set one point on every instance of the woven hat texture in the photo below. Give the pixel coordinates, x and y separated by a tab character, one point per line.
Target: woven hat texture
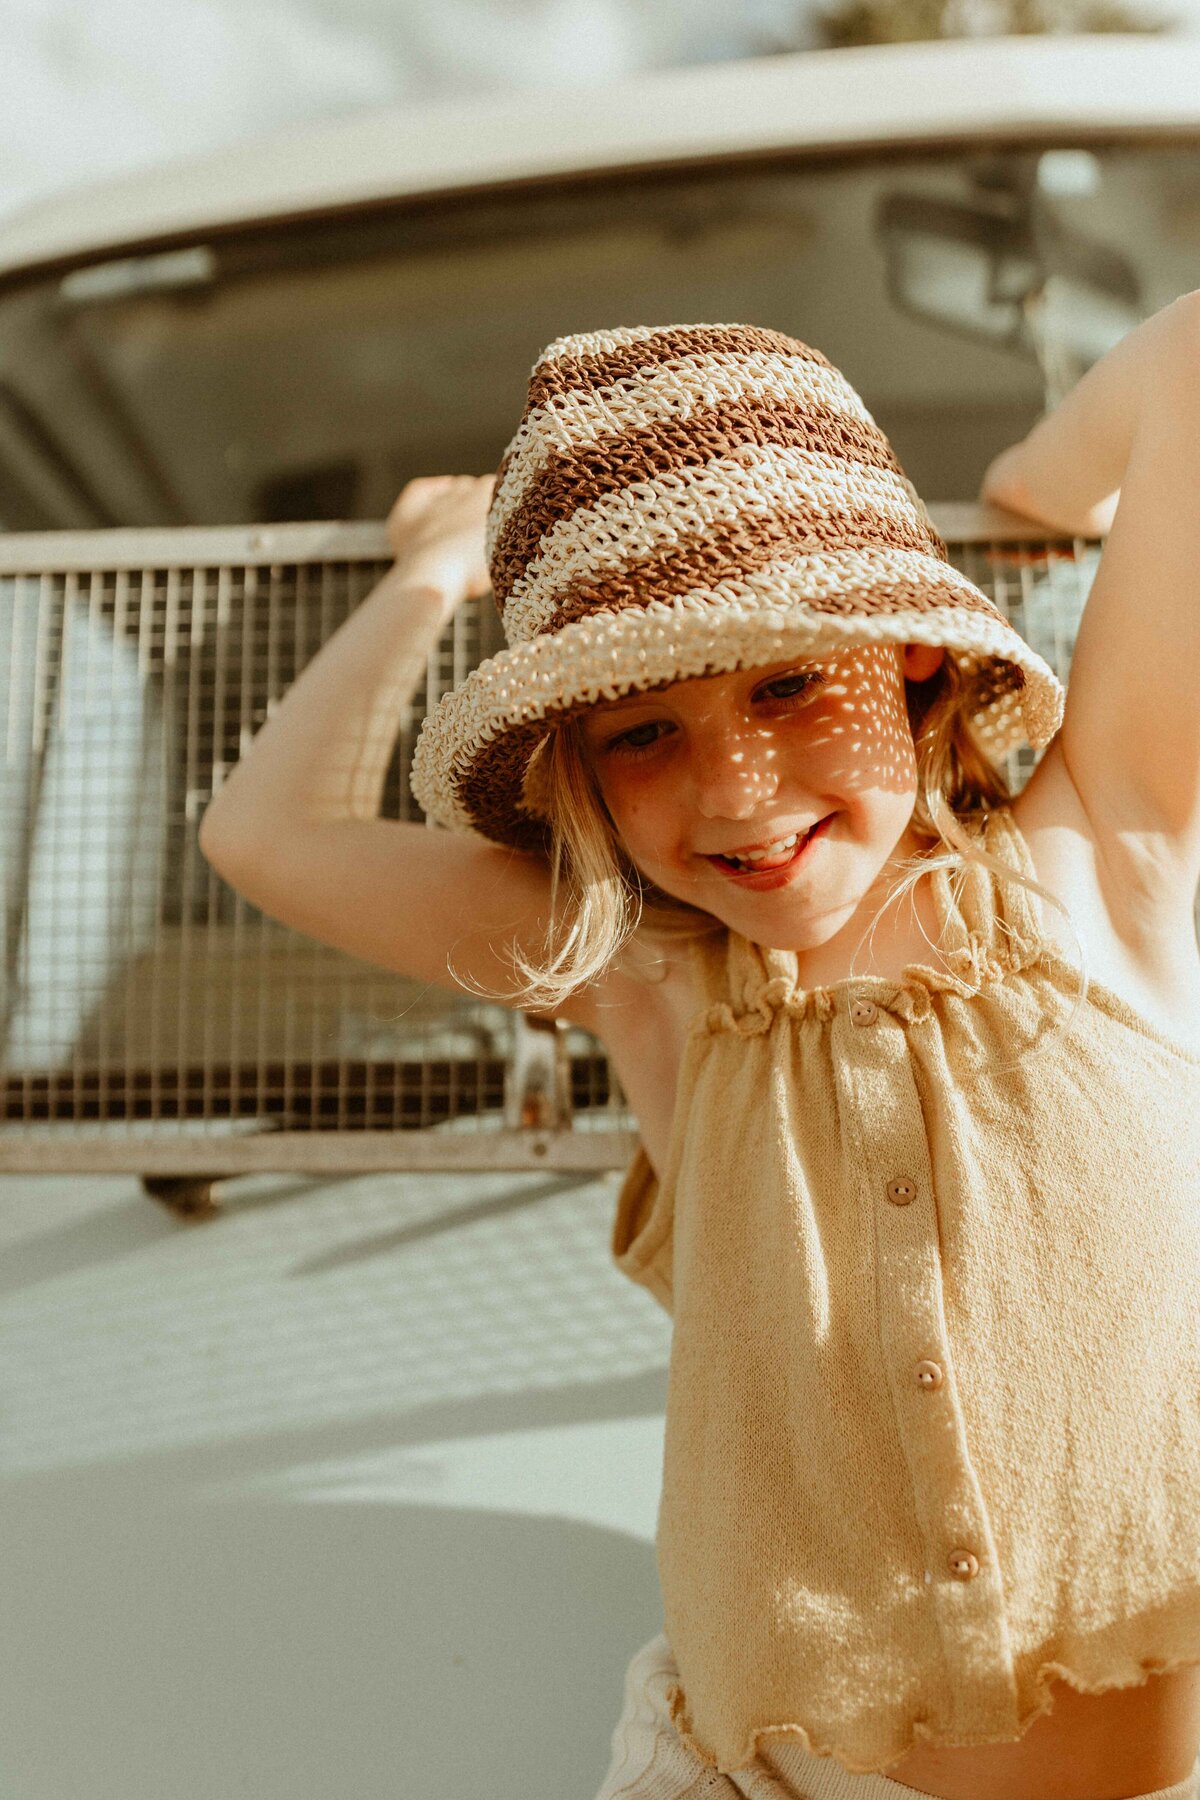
684	500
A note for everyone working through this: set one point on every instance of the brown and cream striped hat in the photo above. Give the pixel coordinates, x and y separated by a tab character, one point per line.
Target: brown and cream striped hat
684	500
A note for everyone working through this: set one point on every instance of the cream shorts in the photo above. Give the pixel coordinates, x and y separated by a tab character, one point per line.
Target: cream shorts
650	1761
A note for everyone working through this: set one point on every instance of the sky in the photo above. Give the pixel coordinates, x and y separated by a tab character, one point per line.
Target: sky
95	88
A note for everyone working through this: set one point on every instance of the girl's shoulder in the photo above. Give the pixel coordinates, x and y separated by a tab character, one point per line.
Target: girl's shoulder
640	1011
664	971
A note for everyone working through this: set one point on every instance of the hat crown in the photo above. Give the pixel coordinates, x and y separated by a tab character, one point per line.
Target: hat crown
682	500
654	461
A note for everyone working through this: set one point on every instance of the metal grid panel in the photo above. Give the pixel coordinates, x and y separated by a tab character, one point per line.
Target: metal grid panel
154	1021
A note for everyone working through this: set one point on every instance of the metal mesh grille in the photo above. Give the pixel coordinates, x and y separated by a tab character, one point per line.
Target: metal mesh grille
154	1020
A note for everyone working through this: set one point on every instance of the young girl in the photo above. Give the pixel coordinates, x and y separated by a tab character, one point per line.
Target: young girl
918	1159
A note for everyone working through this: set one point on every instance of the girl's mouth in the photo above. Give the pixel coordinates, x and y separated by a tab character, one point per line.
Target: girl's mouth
761	879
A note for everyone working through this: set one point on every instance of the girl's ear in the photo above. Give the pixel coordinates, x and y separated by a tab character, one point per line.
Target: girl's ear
922	660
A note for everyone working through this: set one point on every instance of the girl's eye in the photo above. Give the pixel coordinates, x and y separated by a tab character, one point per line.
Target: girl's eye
625	746
801	684
810	679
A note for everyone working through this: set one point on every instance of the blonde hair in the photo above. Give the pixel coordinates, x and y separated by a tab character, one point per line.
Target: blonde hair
607	897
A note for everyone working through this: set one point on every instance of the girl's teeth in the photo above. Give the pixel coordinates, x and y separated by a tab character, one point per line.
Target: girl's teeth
756	856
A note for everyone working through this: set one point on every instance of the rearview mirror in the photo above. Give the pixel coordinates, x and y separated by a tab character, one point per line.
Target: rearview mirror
1003	269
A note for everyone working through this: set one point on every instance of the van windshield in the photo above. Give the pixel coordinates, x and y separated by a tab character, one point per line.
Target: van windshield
308	368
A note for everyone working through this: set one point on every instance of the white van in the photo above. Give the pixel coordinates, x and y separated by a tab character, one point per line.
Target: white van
214	380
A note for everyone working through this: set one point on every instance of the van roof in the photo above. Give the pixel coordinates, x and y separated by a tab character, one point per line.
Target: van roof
1069	88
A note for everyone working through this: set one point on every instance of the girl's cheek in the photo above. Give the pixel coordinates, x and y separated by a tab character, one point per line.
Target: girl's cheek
637	818
631	788
641	815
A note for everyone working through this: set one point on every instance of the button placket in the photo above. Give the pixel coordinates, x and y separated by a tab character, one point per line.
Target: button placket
883	1108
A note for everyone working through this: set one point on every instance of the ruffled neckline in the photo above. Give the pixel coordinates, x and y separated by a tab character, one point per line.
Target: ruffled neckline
989	933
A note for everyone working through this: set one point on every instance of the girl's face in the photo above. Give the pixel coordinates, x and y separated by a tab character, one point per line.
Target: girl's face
733	762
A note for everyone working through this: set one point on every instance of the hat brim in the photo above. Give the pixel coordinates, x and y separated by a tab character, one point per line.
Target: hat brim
472	753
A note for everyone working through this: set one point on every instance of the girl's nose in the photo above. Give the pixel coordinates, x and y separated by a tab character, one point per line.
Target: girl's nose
734	774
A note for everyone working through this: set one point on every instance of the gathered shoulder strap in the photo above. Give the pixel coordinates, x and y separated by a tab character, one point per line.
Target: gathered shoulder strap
994	912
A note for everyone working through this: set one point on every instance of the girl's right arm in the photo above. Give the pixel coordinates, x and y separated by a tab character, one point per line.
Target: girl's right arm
295	825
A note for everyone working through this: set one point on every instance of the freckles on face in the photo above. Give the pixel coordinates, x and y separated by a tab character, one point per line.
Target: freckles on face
718	761
639	801
846	715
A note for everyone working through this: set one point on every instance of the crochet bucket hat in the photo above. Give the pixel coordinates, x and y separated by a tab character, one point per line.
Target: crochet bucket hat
685	500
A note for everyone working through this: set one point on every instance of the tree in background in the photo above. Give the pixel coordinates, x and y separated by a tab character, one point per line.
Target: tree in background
911	21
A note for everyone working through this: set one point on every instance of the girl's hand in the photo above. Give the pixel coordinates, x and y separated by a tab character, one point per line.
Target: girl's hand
436	531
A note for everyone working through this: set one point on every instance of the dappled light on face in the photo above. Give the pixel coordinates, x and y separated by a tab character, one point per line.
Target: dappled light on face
744	758
736	737
864	739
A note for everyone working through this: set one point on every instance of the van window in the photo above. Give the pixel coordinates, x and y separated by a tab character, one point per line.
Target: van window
308	368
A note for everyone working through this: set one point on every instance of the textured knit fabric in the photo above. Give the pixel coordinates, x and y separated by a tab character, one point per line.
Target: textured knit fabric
650	1761
933	1410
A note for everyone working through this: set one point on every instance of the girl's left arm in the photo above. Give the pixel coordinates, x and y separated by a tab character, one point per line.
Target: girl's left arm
1121	455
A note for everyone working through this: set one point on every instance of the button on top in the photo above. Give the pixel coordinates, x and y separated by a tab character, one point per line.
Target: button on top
929	1375
963	1564
863	1011
902	1191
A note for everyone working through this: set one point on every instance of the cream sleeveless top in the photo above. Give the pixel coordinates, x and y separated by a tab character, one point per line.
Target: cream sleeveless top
933	1405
